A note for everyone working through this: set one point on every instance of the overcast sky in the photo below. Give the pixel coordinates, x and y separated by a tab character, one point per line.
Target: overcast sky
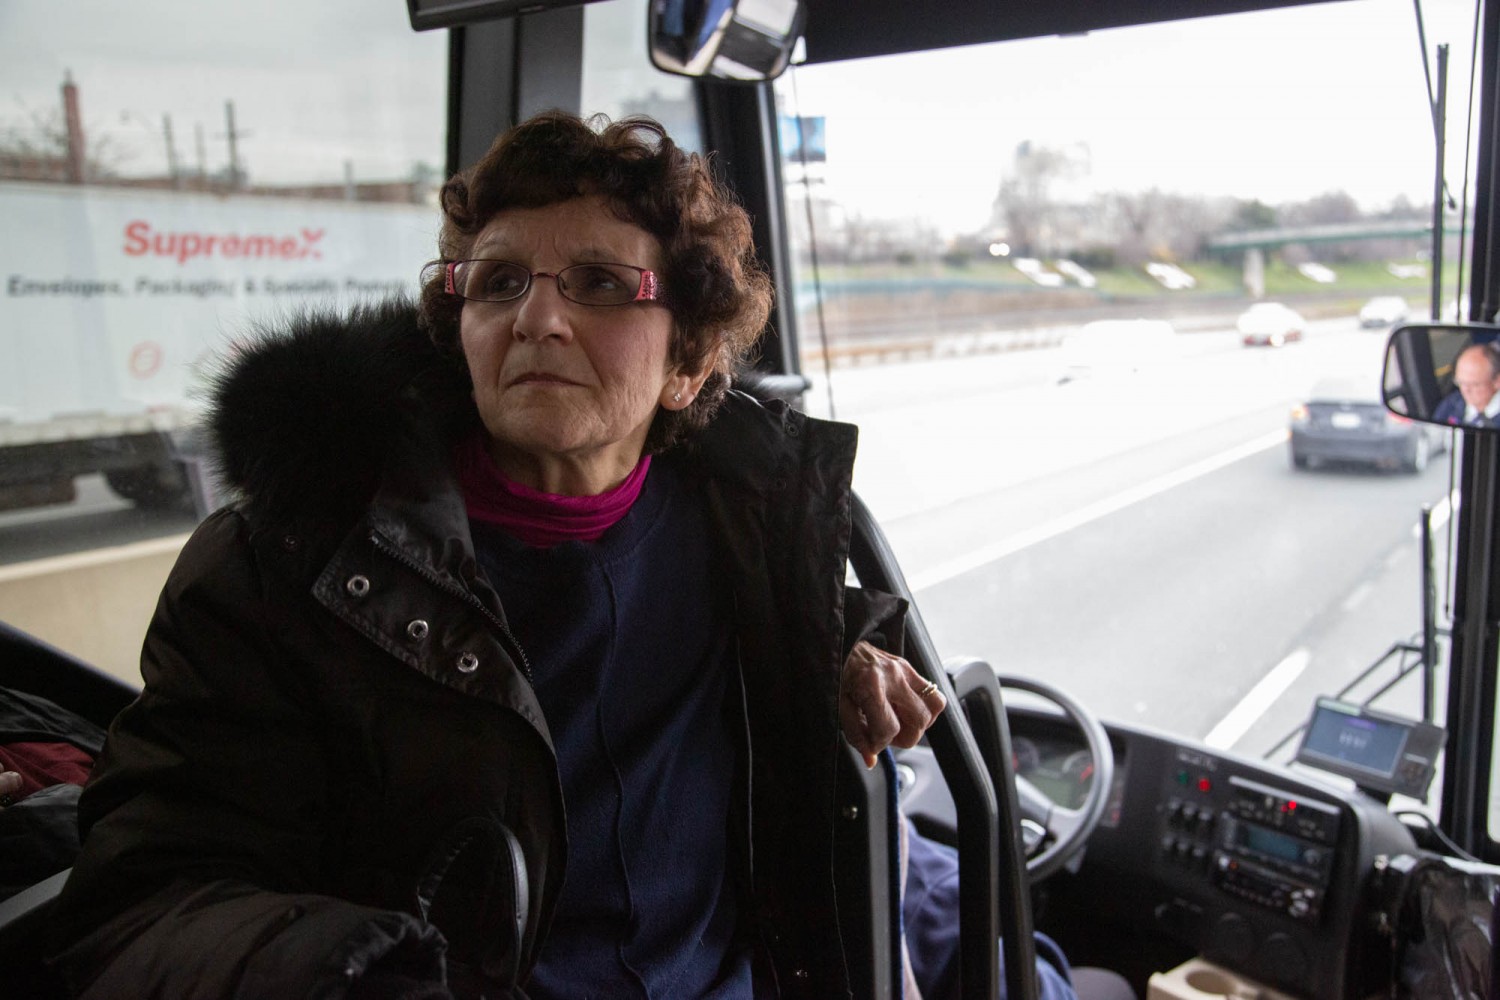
1279	105
138	61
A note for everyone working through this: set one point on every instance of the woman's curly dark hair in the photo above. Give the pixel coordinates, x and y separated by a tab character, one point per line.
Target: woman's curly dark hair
717	291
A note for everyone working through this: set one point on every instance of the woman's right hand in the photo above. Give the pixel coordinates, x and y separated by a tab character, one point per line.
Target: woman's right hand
883	702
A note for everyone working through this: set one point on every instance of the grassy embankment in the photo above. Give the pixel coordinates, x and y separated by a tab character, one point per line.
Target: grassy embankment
890	308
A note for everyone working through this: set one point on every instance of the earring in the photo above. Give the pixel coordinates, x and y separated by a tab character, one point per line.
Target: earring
677	397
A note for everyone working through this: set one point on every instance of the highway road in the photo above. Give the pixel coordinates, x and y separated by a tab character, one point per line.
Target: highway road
1140	538
96	518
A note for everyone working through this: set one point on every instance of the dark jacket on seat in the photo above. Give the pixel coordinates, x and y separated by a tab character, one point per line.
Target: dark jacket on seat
39	834
337	736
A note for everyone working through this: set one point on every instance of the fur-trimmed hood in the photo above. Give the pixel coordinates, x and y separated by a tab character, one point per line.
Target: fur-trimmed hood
303	418
303	414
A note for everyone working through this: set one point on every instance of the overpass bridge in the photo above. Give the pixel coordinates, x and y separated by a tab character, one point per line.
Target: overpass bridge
1255	242
1336	232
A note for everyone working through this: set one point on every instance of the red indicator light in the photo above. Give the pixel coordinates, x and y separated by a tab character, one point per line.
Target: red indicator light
1204	785
1291	807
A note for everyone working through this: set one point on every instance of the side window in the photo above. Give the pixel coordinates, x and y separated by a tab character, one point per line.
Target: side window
172	175
618	79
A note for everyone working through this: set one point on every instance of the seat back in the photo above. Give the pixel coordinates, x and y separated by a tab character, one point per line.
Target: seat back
36	667
29	665
24	940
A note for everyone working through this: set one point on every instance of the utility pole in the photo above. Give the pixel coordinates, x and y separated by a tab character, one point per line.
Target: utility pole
172	166
236	174
77	161
202	148
1440	131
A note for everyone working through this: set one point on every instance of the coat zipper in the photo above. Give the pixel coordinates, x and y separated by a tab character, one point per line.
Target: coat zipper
443	584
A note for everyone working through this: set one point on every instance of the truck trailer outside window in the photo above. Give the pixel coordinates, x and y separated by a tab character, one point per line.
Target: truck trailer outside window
171	175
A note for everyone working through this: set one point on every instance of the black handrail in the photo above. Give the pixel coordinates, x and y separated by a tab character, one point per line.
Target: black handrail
994	898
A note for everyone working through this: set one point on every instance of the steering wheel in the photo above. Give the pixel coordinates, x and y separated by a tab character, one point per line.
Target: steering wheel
1053	835
1058	834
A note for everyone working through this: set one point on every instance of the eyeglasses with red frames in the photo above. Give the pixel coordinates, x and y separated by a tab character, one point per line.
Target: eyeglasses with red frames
586	284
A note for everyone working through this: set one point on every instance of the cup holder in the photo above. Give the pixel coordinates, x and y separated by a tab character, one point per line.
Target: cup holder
1218	984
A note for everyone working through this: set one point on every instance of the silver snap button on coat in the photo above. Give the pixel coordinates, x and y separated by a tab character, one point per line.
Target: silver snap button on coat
417	629
467	663
357	586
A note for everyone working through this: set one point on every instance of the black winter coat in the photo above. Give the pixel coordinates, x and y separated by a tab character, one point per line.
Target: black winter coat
337	755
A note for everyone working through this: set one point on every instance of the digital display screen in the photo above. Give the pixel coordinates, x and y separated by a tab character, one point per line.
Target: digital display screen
1270	842
1371	744
1068	794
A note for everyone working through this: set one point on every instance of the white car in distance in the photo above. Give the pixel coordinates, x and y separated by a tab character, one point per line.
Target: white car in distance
1116	346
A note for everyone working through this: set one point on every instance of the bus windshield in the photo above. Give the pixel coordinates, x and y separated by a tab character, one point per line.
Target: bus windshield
1110	312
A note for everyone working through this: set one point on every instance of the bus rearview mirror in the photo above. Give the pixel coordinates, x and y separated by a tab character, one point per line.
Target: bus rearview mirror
1444	373
749	41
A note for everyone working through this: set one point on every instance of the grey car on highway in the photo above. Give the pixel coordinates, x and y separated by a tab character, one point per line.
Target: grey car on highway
1344	422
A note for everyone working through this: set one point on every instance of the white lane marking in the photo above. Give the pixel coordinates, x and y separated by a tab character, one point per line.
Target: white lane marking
1251	707
987	554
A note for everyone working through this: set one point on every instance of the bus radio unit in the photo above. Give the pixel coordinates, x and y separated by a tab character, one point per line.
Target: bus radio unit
1275	849
1267	846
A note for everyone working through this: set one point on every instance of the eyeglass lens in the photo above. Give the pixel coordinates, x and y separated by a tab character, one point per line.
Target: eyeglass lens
588	284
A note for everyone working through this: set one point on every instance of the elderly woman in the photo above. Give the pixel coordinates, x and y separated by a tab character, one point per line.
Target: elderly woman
522	659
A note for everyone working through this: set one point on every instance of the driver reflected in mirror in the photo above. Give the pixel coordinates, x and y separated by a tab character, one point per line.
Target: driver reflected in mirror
1444	373
1475	399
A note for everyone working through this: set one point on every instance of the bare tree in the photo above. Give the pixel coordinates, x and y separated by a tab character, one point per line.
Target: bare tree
1157	225
37	149
1324	209
1024	205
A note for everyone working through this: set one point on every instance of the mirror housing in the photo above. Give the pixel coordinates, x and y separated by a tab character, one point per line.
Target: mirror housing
425	15
1421	377
749	41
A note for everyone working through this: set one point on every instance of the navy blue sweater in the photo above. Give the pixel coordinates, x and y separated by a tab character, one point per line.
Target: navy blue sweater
629	644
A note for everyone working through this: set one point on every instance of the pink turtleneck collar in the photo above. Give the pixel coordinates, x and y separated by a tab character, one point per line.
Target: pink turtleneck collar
539	519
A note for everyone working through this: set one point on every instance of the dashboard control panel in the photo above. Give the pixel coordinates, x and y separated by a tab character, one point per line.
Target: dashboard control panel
1268	846
1256	866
